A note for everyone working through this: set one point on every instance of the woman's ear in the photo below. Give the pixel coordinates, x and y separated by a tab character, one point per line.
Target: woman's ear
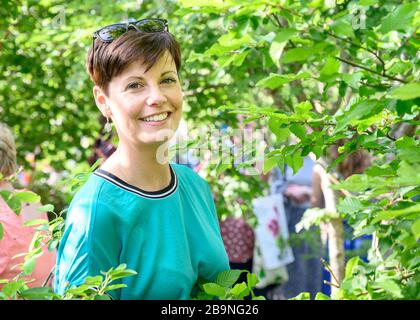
100	100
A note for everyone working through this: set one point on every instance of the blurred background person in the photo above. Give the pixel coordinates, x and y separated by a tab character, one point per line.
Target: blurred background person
305	272
335	233
16	237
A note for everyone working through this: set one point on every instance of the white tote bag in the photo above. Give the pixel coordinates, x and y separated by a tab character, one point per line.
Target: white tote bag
272	233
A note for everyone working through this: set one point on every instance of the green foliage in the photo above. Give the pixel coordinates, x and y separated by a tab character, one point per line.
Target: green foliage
319	73
225	287
96	288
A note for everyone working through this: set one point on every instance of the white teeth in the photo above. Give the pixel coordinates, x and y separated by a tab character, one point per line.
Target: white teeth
159	117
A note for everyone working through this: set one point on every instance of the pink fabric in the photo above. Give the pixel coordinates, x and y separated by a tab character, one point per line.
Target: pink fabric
17	239
238	238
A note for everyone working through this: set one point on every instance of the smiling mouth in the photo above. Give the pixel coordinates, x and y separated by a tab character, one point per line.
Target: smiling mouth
157	118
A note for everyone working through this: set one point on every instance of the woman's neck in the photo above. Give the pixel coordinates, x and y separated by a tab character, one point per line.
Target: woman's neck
139	167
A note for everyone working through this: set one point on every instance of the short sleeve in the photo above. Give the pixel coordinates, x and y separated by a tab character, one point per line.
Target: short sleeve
90	244
211	204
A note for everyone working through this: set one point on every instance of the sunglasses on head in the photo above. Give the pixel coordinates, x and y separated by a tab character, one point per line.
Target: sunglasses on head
110	33
113	31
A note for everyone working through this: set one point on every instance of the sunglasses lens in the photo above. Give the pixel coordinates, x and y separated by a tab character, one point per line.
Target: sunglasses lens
150	25
112	32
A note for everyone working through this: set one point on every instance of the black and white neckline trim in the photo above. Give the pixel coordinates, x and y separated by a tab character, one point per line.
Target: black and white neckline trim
165	192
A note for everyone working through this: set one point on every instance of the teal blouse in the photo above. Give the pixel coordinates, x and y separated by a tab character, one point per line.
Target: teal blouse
170	237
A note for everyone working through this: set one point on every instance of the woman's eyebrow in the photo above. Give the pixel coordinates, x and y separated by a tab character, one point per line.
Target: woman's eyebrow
141	78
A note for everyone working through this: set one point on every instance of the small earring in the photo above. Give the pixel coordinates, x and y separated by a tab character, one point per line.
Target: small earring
108	125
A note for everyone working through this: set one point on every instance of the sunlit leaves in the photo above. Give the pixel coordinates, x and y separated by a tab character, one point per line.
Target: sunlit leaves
274	80
400	18
278	44
331	66
343	27
406	92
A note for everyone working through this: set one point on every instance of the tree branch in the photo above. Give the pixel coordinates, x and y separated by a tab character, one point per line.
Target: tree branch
354	64
361	47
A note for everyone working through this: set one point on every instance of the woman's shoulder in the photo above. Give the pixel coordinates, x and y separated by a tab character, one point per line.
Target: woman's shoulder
91	194
186	173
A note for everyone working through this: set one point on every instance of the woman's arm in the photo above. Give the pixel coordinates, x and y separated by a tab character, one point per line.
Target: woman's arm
90	244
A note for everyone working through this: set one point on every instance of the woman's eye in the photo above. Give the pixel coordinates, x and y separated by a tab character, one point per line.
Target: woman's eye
169	80
134	85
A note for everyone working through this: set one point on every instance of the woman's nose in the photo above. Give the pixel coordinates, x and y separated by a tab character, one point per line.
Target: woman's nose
156	97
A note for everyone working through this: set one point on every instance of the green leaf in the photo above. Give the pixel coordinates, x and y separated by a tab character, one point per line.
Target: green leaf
390	286
46	208
120	267
351	264
303	108
274	126
415	228
275	80
1	231
238	58
392	214
240	290
122	274
399	19
37	293
295	161
53	244
12	287
278	44
228	277
321	296
115	287
235	58
27	196
259	298
230	40
343	27
270	163
252	280
29	265
407	174
35	222
296	54
276	50
406	92
102	297
358	111
93	281
299	131
221	167
367	2
349	205
285	34
353	79
330	67
302	296
214	289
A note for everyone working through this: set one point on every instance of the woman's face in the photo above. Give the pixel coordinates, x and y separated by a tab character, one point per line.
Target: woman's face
146	108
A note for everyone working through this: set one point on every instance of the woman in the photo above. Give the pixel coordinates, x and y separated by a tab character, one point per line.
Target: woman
17	238
157	217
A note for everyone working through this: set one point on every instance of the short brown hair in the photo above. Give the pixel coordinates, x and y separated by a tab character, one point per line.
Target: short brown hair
112	58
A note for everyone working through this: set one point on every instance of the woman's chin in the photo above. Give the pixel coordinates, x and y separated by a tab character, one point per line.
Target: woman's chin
155	138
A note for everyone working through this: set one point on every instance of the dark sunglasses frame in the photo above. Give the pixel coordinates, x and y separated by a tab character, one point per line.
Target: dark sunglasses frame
136	25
